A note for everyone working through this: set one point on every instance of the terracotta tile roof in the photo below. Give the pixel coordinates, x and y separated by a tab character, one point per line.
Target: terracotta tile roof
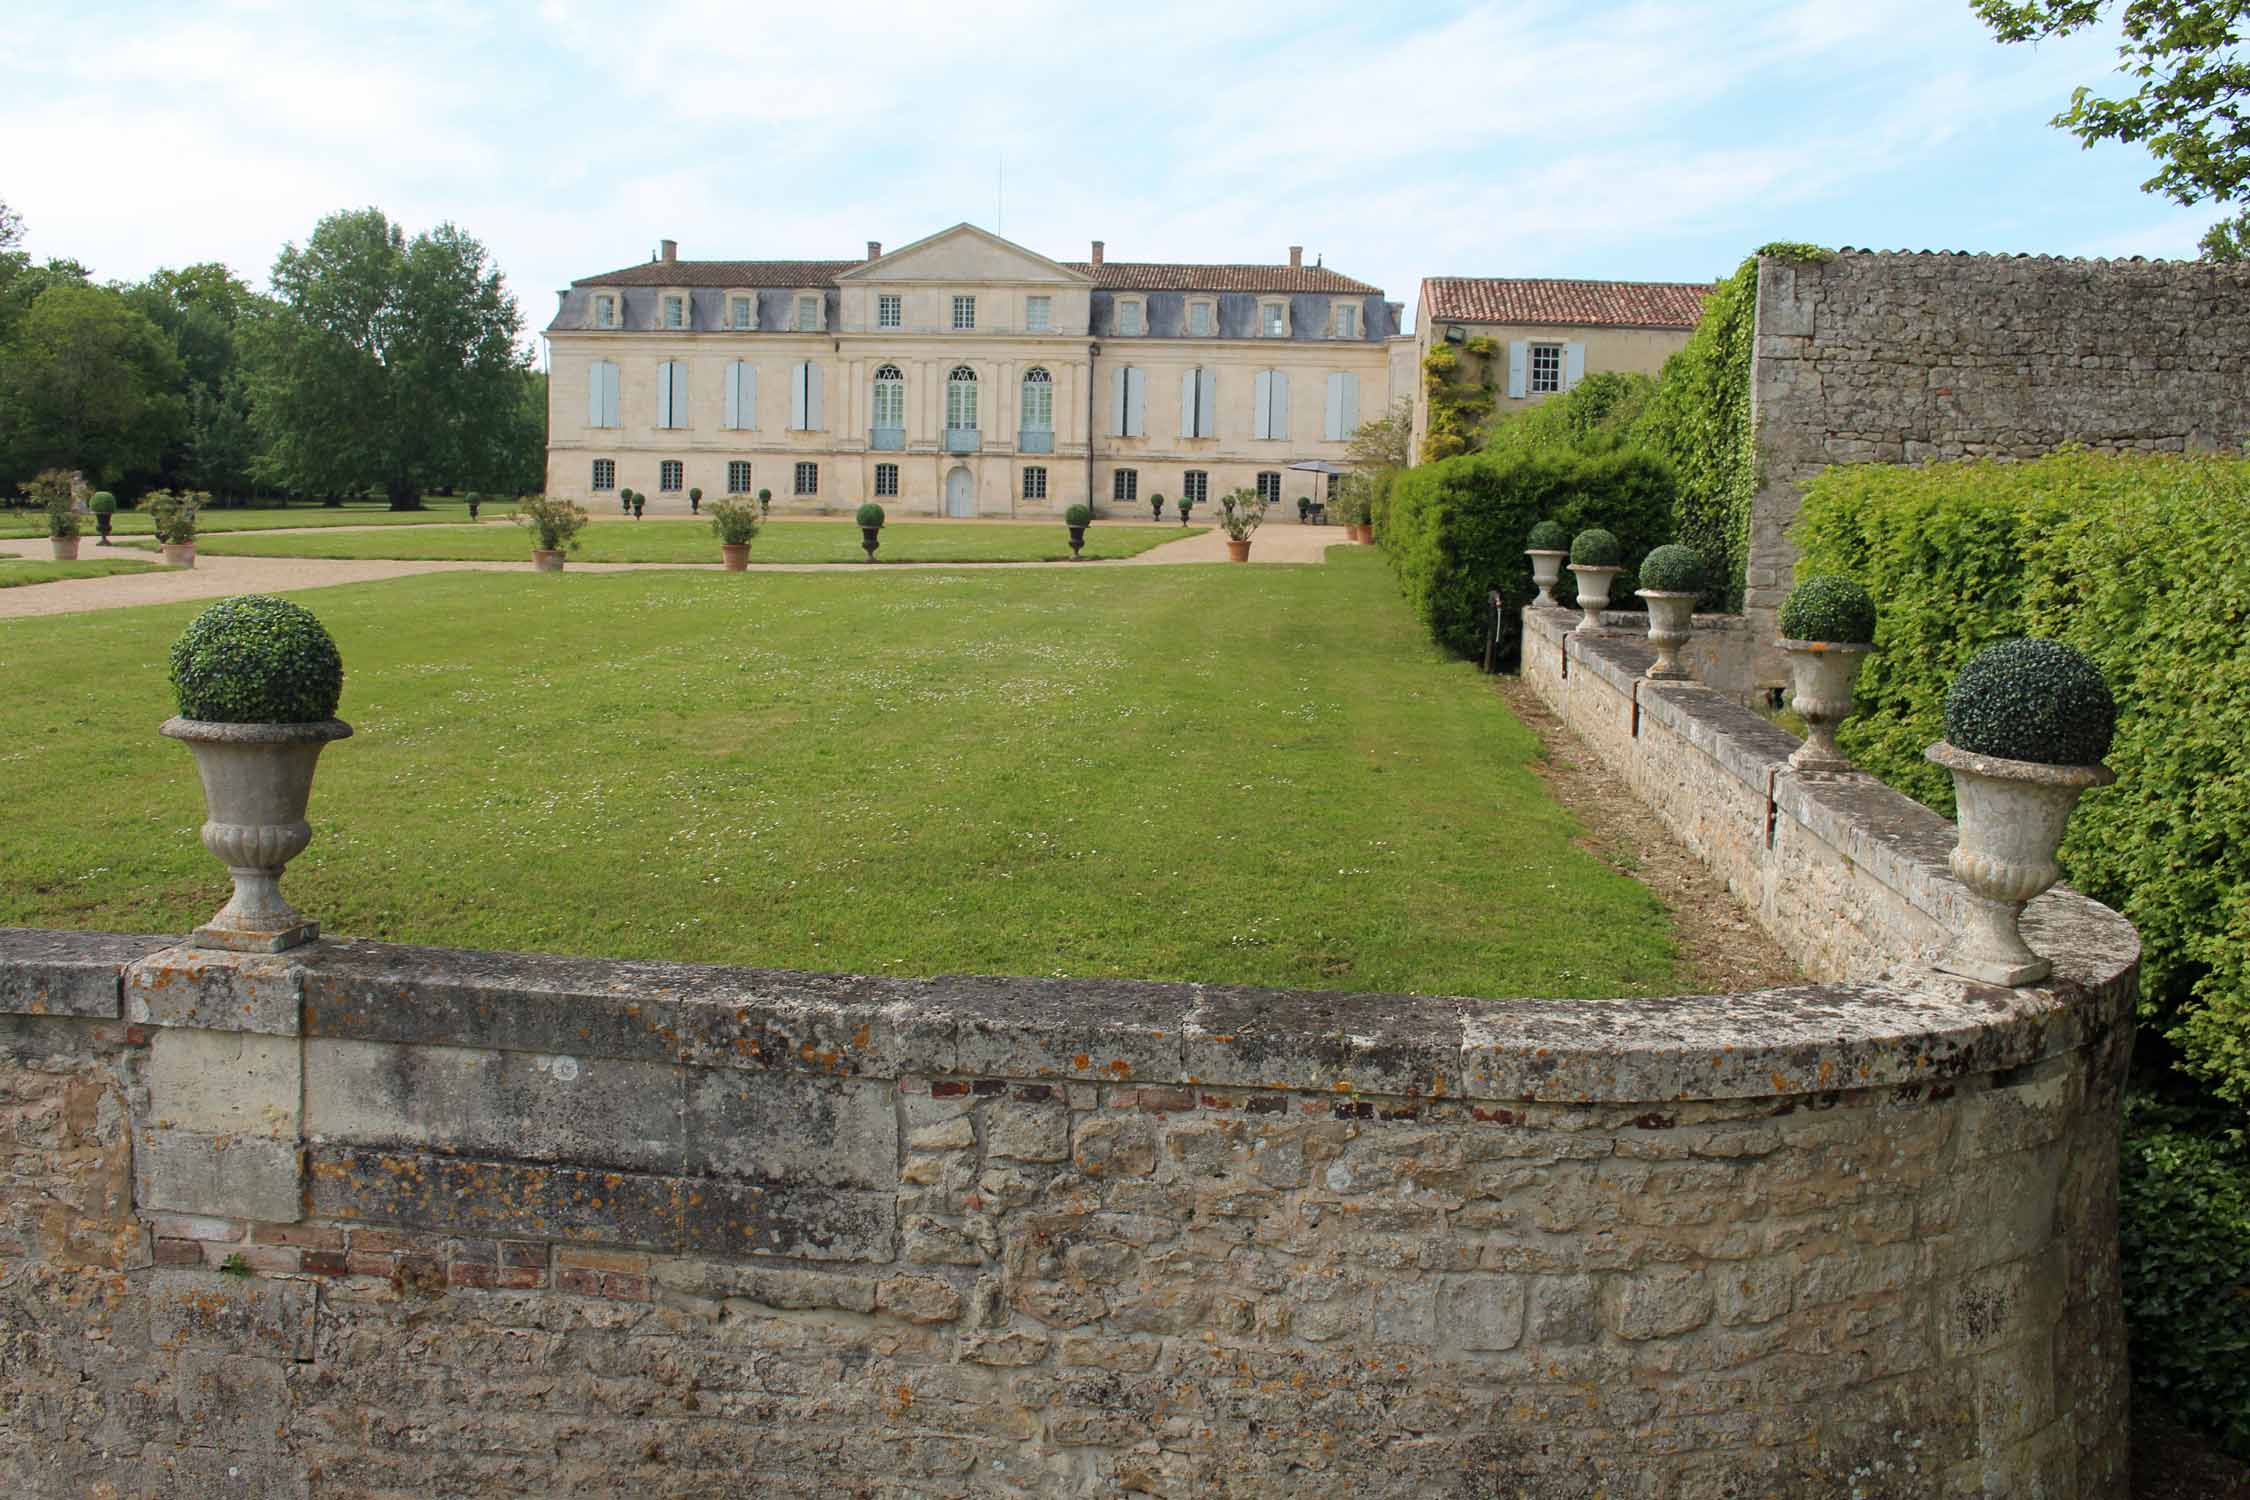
1578	304
725	273
1177	276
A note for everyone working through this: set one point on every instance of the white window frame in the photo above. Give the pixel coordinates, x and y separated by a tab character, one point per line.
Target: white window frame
605	476
1139	312
890	310
1039	314
671	476
961	400
1037	409
1125	485
1345	324
886	481
1035	482
964	312
1273	320
1207	313
742	311
738	476
1533	373
1269	486
675	310
1195	485
805	478
888	397
605	312
808	312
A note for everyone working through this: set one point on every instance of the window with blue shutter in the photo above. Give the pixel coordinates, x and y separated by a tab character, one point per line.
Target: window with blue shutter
742	394
1340	417
804	397
601	394
1269	416
671	394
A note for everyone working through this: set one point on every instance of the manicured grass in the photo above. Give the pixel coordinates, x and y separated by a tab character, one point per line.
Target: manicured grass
15	572
692	541
1257	775
17	524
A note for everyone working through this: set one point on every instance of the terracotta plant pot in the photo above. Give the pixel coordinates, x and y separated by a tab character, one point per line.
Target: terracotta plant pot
1822	674
1237	551
257	781
1546	572
2012	816
1077	540
1671	620
545	561
1593	593
1363	532
736	555
179	554
66	548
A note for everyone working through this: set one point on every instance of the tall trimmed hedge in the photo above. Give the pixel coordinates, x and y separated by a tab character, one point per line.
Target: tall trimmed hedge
1455	530
2143	563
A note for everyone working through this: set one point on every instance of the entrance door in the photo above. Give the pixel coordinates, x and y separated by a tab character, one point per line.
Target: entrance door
958	499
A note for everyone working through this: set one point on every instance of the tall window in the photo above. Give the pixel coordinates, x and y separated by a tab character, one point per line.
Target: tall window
964	312
890	397
605	312
1195	485
886	481
601	393
888	312
1199	403
808	315
961	399
605	473
739	312
1269	405
1272	316
1347	320
1035	483
1199	319
1038	401
1546	368
1129	317
805	398
669	476
738	477
807	479
675	312
1038	314
1125	484
1269	486
742	394
671	394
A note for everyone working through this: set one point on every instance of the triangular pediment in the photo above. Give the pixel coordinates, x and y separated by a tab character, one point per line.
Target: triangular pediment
965	255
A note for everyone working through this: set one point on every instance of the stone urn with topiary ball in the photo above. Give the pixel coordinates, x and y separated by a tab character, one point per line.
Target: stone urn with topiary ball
105	507
2027	723
1671	582
1077	518
870	519
1547	546
1156	506
1827	629
257	681
1596	558
625	502
695	502
765	502
476	503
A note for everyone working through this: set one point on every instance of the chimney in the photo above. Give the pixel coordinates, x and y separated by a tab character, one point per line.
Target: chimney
1097	252
874	249
1296	257
671	250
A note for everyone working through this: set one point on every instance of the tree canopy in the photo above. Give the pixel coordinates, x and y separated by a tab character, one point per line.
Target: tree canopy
2190	104
86	382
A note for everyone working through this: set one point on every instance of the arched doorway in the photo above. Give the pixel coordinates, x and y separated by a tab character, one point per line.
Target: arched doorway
960	494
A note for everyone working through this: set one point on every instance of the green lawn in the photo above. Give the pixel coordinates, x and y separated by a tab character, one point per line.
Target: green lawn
618	541
15	572
1259	775
18	524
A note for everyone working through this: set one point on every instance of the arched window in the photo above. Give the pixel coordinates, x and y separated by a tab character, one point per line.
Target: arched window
961	399
890	398
1038	400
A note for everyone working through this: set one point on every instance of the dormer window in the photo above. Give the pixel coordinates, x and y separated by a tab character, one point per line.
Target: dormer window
675	311
808	314
1199	319
1347	320
1129	317
742	310
1273	319
605	312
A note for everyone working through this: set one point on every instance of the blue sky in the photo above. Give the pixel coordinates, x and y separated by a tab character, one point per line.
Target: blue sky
1643	141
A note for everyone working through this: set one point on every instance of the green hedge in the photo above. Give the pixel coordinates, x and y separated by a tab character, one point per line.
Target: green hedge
2143	563
1454	530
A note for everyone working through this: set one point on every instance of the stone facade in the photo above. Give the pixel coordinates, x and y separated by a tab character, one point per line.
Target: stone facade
1895	358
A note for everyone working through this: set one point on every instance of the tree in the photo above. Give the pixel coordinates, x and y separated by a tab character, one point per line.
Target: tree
2192	106
201	307
87	383
1384	442
383	363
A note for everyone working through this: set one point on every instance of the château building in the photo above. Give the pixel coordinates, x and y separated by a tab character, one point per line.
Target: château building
964	375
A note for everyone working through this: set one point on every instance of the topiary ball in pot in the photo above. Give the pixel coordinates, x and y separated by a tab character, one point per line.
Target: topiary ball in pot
870	518
1829	607
1672	569
1547	536
2031	700
1596	548
1078	518
1670	578
256	659
1596	558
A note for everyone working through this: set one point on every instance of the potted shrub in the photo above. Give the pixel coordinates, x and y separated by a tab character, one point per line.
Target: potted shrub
1304	510
1671	579
1240	512
736	522
625	502
555	524
1156	507
55	493
1077	518
1183	505
870	518
695	502
1596	558
476	502
105	506
171	515
257	681
2027	723
1547	545
765	502
639	500
1828	629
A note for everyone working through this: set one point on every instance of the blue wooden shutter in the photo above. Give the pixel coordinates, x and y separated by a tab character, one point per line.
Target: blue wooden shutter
1117	384
1261	414
1277	419
1519	358
1332	413
1136	401
610	390
1207	402
1351	406
664	394
1574	365
815	422
797	395
594	387
1188	388
734	394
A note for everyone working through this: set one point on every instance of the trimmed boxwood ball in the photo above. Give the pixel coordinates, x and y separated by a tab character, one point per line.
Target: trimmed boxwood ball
256	659
104	503
1078	515
870	514
1829	608
1547	536
1672	569
2031	700
1596	548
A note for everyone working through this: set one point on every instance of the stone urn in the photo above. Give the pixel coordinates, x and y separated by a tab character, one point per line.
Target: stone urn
179	554
734	555
1671	620
66	548
1077	540
546	560
1821	675
870	537
1546	572
1593	593
2011	816
1238	551
257	780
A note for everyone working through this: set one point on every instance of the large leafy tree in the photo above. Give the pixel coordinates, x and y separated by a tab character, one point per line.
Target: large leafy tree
384	363
2190	102
86	382
202	308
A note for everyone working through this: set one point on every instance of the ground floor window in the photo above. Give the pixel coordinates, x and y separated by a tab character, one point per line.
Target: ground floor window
1035	483
808	479
738	478
1125	484
1546	368
886	480
670	475
1196	486
605	473
1269	486
1335	485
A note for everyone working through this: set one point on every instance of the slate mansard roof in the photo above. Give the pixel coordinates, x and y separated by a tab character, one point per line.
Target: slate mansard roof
1576	304
1110	276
